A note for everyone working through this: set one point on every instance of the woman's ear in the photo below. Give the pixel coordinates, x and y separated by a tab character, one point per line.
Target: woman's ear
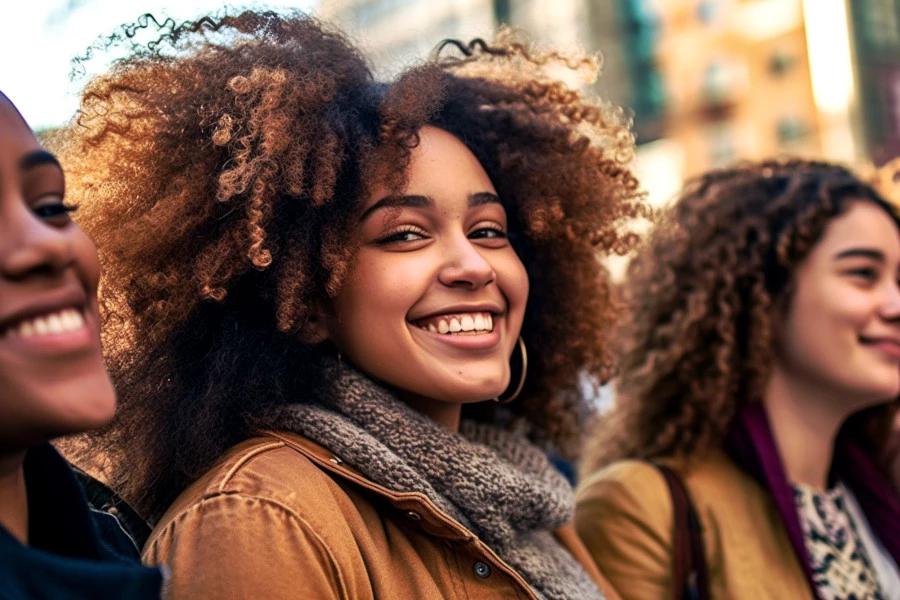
315	330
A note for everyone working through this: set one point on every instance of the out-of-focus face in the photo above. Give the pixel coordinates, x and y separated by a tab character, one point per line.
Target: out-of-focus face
435	299
842	330
53	380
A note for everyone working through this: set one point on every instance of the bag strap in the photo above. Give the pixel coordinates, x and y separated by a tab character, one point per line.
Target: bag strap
689	573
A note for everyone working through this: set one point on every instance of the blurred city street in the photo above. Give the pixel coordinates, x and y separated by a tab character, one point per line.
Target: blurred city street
709	81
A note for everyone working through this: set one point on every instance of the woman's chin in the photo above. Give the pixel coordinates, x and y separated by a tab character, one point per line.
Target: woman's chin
473	394
90	409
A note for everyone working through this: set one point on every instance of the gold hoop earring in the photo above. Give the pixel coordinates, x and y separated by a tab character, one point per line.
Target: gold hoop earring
518	389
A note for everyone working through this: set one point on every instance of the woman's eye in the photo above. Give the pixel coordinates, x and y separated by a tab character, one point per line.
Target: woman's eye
405	235
52	207
488	233
864	273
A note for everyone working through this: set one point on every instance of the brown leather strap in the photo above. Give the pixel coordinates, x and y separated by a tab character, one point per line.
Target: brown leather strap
689	573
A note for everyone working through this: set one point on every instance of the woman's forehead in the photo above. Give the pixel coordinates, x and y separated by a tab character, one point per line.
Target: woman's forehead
16	138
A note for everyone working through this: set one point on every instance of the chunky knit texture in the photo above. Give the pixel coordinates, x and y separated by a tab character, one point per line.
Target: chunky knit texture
495	483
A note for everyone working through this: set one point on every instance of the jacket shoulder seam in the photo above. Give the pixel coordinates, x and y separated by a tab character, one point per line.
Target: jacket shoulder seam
243	460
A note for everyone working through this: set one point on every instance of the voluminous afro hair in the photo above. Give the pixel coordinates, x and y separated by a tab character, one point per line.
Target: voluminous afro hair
221	171
705	295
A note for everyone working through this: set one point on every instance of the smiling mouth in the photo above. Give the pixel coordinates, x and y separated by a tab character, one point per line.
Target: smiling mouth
478	323
887	345
55	323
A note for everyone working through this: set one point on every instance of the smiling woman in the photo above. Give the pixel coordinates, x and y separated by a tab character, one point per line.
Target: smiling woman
316	287
435	297
53	382
762	366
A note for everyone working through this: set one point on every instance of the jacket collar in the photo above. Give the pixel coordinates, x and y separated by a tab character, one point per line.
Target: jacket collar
59	518
416	506
419	508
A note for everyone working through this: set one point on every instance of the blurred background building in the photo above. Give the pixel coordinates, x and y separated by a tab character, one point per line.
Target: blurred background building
709	81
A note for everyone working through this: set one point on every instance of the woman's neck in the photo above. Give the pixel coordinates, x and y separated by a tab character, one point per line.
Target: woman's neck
447	414
13	496
805	423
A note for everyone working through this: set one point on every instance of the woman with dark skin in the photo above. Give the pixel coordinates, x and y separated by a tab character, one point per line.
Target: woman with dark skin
316	285
53	382
761	362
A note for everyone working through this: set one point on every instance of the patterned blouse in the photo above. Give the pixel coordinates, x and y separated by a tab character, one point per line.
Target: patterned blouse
841	566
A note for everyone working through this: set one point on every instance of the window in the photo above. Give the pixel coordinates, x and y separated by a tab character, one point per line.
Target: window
781	62
880	23
791	129
641	26
722	147
501	11
708	11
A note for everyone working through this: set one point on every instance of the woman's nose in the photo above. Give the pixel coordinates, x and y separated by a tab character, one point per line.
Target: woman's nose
466	266
30	247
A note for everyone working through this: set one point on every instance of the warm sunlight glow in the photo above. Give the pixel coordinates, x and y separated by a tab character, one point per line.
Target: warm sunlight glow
40	38
828	43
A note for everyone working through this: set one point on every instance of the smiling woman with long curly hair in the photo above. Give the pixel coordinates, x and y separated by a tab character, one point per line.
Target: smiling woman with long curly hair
312	283
761	358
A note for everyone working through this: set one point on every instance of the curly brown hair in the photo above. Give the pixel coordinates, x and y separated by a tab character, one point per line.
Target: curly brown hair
221	169
703	297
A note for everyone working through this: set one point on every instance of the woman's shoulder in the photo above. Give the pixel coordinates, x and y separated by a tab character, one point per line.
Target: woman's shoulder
634	494
620	479
274	472
639	488
702	476
267	506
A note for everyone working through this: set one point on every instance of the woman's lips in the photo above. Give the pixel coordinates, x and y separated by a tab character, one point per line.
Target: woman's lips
463	340
886	346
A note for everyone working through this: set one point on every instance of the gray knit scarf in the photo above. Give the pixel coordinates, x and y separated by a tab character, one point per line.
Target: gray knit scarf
496	484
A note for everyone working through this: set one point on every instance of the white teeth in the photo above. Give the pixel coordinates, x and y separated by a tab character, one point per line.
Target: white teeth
76	319
41	327
56	323
26	329
470	323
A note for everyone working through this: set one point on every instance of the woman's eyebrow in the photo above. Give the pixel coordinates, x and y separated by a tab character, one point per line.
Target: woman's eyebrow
861	253
419	201
398	202
480	198
36	159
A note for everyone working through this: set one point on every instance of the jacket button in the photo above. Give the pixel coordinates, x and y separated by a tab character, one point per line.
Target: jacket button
482	570
413	516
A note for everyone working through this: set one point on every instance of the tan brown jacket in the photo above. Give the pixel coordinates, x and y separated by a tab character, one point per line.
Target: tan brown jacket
624	517
281	517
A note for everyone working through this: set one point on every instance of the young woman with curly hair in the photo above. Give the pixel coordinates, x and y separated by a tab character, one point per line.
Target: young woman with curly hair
762	362
53	382
316	284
